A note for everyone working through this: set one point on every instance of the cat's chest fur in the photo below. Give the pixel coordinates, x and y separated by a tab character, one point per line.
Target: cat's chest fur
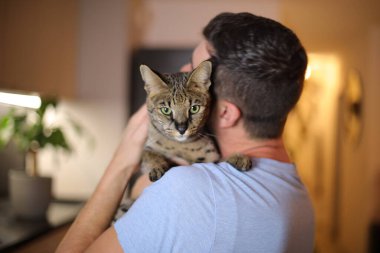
201	149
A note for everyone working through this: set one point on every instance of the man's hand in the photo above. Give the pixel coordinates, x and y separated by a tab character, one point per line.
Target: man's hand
128	154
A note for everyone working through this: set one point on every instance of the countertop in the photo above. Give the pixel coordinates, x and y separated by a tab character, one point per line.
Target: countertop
15	231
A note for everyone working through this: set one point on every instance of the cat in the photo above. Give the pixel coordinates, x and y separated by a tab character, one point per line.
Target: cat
178	105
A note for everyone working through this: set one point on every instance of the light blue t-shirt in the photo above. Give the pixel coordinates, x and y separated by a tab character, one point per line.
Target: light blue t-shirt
210	207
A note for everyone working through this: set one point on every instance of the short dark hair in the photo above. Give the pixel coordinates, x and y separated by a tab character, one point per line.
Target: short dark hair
260	67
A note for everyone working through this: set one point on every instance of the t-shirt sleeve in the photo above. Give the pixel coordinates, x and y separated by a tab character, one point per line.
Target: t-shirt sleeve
175	214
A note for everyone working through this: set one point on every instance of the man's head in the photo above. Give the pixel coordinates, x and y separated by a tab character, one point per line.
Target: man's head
260	66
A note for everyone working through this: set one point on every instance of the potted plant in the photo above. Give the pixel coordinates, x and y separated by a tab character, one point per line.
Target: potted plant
31	130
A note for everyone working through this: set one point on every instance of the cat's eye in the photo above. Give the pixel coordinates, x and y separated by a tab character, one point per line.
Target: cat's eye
166	110
194	109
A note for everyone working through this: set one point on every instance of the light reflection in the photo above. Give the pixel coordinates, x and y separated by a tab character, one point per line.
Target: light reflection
29	101
308	72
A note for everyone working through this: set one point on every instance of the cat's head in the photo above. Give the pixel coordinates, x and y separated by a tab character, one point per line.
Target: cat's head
179	103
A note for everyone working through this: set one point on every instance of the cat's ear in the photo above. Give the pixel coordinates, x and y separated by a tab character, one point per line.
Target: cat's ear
200	76
153	83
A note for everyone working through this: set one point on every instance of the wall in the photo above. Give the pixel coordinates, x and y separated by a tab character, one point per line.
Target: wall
373	120
174	23
100	105
38	46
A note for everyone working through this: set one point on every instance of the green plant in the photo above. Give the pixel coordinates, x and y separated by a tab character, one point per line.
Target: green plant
30	131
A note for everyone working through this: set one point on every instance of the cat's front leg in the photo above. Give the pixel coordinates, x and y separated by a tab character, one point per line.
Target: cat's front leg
155	164
240	162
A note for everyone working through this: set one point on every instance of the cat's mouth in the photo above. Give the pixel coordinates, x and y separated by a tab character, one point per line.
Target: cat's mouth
181	138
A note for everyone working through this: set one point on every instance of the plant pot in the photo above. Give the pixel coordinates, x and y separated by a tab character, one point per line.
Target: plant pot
29	195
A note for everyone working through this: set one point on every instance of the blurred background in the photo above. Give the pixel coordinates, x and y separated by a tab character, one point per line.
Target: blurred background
86	53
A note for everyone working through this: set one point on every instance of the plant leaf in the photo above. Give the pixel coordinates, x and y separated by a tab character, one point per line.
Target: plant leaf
57	139
45	103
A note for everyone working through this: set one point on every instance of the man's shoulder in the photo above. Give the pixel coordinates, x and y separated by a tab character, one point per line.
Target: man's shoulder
180	208
195	175
187	187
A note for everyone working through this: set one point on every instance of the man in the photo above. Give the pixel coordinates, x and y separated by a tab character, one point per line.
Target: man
259	71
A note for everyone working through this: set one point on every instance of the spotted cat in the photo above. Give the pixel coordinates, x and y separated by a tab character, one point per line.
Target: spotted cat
178	106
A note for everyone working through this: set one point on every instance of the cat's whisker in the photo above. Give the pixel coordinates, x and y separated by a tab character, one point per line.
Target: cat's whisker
155	137
206	134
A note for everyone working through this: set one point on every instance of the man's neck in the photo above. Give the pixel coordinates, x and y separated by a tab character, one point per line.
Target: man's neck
260	148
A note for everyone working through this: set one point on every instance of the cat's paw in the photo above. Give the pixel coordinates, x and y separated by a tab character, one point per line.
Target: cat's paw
156	174
240	162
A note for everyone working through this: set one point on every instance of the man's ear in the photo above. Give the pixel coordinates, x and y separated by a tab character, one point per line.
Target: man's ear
228	113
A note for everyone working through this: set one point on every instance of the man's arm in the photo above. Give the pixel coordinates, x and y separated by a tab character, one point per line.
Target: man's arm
90	226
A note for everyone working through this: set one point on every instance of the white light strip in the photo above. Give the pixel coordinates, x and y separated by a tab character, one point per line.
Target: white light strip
29	101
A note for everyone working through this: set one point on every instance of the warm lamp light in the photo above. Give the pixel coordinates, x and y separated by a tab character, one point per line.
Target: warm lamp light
29	101
308	72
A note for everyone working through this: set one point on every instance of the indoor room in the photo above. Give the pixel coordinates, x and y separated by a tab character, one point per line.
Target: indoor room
75	63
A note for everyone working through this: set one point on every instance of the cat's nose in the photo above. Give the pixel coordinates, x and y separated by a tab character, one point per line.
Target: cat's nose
181	127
